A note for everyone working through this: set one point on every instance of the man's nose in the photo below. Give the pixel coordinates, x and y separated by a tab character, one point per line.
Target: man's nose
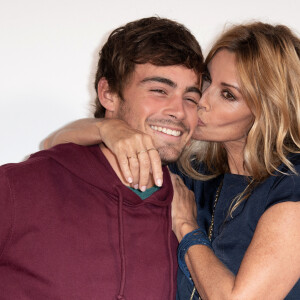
176	108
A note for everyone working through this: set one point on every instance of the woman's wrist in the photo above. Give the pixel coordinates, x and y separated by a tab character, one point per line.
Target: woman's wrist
195	237
106	127
184	228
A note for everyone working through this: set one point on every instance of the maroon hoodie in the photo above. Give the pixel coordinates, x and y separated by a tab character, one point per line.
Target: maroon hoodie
69	229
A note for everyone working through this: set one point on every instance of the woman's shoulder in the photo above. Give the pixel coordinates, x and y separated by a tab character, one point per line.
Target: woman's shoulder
285	184
285	173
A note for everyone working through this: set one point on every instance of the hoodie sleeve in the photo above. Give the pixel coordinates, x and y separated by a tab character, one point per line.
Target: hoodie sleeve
6	211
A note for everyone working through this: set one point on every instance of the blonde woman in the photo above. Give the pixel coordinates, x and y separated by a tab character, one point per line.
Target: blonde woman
241	240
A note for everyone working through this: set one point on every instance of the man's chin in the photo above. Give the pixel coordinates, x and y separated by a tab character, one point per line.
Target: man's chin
168	154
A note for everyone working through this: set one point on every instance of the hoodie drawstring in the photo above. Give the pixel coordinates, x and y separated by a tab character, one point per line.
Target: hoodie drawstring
121	247
170	252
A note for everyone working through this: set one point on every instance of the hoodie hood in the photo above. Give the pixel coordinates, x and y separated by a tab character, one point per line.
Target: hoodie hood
85	161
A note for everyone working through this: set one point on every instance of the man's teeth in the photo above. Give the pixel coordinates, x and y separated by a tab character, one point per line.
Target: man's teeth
166	130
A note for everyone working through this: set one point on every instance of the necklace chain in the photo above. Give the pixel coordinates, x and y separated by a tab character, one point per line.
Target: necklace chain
212	222
211	226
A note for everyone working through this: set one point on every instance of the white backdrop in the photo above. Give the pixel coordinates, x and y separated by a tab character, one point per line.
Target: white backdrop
48	54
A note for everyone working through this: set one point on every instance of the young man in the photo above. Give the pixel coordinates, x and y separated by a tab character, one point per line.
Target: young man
70	227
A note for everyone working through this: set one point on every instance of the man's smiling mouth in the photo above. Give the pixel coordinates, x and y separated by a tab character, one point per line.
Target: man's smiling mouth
166	130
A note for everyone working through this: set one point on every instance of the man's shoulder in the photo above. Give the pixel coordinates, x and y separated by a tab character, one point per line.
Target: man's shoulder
65	154
35	158
61	151
31	162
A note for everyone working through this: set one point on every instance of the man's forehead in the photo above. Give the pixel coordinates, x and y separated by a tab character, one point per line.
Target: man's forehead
178	74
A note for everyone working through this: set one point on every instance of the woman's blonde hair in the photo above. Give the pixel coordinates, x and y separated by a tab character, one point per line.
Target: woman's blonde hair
268	66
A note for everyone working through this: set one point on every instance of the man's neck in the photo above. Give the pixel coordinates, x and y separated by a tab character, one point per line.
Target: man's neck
116	167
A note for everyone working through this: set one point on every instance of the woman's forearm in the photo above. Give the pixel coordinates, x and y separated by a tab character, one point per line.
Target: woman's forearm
269	269
81	132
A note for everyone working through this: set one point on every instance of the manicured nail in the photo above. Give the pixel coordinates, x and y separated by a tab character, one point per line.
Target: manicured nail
159	182
136	186
143	188
129	180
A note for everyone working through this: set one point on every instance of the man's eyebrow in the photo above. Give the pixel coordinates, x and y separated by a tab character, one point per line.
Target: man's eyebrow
160	80
231	85
193	89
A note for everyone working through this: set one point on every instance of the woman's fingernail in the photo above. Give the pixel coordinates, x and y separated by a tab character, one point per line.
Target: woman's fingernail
159	182
129	180
143	188
136	186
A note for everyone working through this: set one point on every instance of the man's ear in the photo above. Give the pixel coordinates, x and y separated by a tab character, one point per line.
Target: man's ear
108	99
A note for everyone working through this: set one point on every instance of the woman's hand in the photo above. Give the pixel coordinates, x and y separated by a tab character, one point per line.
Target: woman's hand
184	209
134	150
